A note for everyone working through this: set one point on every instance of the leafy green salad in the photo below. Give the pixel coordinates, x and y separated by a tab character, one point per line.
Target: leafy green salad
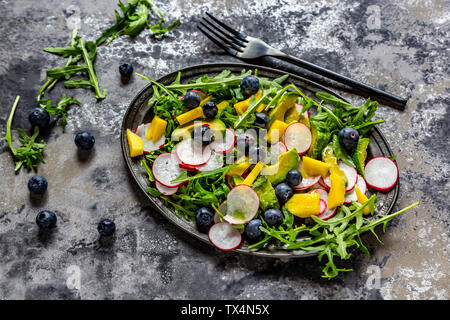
256	164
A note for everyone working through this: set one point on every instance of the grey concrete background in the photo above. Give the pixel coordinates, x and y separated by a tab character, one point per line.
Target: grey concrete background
400	46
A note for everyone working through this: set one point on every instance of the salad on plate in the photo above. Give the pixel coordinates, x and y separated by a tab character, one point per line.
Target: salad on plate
255	163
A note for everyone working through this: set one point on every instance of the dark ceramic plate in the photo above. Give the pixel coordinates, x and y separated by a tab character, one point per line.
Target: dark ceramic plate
139	112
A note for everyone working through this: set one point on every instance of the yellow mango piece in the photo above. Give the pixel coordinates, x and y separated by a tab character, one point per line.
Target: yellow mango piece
276	131
242	106
304	205
156	129
362	199
261	107
253	174
337	191
239	170
135	144
222	105
190	115
312	167
208	98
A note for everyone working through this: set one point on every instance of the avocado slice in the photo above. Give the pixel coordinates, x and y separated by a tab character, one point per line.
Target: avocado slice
277	172
266	193
185	132
360	155
320	139
286	102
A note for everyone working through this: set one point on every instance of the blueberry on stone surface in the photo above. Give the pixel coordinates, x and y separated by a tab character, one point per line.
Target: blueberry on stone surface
191	99
37	184
46	219
204	219
273	217
249	85
39	117
348	138
210	110
283	192
126	70
106	227
84	140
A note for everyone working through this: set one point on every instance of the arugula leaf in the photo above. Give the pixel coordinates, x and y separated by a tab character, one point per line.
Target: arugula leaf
61	108
341	153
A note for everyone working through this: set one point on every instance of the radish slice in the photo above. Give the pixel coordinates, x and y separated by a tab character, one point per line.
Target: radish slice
323	194
222	145
222	209
275	151
224	237
192	155
322	207
306	182
381	173
149	145
242	204
214	162
327	214
165	191
188	168
165	169
350	173
323	184
297	136
351	195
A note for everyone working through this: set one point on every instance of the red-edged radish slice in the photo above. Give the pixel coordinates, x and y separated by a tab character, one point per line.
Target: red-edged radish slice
165	191
214	162
224	237
192	155
222	209
242	204
297	136
275	151
327	214
381	173
350	173
323	194
224	145
322	207
351	195
306	183
149	145
323	184
165	169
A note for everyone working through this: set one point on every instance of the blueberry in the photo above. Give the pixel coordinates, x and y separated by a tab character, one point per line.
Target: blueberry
191	99
293	177
39	117
37	184
126	70
348	138
84	140
273	217
210	110
249	85
257	154
204	219
261	119
106	227
244	141
252	230
283	192
46	219
203	135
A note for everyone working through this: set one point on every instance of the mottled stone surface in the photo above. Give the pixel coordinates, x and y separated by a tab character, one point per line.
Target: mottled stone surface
404	50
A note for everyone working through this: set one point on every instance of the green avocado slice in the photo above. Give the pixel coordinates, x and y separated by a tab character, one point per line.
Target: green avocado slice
320	139
286	102
266	193
277	172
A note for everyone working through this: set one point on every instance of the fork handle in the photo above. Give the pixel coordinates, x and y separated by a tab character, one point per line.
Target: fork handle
360	87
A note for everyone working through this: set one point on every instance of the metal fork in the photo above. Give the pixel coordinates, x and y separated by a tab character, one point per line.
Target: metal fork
246	47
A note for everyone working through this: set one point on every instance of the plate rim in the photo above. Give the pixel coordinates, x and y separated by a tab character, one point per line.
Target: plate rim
173	218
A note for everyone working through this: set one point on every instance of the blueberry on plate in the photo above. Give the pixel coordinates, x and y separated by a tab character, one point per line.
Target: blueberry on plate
293	177
261	119
283	192
348	138
257	154
273	217
202	135
39	117
46	219
244	141
249	85
252	231
106	227
191	99
204	219
126	70
37	184
84	140
210	110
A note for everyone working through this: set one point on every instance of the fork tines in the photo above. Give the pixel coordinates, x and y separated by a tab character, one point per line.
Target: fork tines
222	35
